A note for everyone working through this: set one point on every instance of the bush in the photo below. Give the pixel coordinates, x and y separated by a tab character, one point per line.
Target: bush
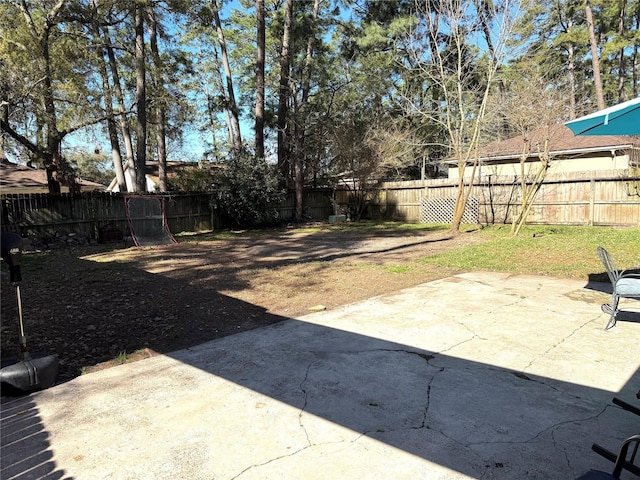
249	191
196	178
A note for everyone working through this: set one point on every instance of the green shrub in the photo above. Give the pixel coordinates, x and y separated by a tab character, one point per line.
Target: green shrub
249	191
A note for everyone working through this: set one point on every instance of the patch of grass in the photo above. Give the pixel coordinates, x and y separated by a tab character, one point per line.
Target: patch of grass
398	268
545	250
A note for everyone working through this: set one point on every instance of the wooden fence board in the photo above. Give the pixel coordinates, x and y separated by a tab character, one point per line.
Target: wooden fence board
567	199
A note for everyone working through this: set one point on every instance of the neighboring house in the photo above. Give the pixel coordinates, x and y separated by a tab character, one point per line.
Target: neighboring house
567	152
152	175
16	178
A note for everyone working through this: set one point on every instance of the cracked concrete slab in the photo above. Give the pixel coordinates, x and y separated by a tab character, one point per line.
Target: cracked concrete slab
481	375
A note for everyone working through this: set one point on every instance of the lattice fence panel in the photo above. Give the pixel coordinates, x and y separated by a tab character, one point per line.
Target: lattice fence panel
440	210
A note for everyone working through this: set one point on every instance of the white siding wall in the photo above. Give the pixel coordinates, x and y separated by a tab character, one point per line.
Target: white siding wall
595	163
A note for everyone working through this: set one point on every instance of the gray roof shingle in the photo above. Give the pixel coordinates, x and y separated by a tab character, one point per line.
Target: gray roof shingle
561	140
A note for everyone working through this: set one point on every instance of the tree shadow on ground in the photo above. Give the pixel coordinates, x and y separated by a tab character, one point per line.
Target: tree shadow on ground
92	308
432	405
125	310
452	405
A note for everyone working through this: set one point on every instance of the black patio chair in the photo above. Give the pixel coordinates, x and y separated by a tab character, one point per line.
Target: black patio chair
625	460
625	284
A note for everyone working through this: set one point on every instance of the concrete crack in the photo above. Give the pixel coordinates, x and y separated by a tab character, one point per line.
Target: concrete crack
304	405
427	357
550	428
557	344
271	460
462	342
300	423
462	322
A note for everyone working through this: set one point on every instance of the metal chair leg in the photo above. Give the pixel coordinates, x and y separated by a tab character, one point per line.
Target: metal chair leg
611	309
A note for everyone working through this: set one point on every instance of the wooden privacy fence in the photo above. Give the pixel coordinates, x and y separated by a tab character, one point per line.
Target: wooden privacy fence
610	198
564	199
317	204
86	214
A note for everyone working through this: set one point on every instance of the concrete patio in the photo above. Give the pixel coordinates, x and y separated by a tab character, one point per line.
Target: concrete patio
480	375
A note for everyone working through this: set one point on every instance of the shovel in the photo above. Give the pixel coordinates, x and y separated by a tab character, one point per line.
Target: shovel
29	373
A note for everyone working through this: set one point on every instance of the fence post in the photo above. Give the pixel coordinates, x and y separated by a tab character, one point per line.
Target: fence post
592	200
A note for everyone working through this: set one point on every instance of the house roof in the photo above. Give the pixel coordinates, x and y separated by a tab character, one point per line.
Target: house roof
152	169
562	141
152	172
16	178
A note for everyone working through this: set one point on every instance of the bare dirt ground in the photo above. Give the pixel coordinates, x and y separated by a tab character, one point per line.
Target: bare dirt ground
97	307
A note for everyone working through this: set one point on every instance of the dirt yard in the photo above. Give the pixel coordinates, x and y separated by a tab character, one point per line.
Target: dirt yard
97	308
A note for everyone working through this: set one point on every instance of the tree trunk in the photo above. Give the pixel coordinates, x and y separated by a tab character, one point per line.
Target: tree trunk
111	122
162	149
49	153
124	124
260	55
52	159
212	119
113	133
634	74
634	56
283	93
223	92
233	108
160	101
462	196
597	81
4	118
301	121
621	72
529	194
572	82
141	100
460	205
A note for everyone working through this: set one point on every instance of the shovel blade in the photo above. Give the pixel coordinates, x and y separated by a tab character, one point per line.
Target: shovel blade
29	375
